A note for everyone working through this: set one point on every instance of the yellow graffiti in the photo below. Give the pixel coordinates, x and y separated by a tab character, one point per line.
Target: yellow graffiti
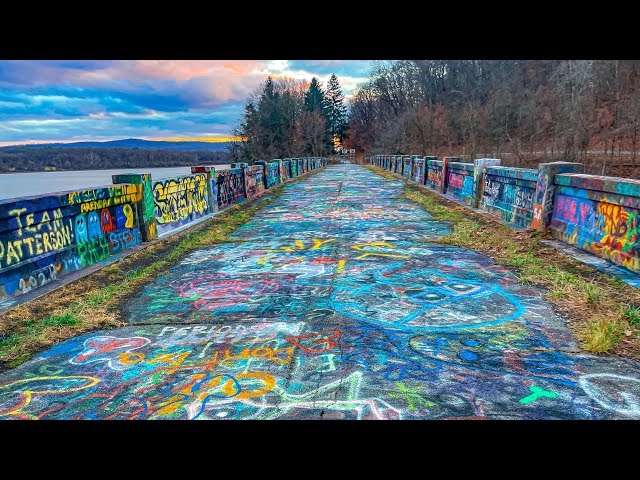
263	260
317	243
381	255
128	213
268	380
299	245
172	359
373	244
340	266
28	394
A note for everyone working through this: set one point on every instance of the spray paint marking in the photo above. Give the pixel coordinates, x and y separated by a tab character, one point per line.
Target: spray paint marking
537	393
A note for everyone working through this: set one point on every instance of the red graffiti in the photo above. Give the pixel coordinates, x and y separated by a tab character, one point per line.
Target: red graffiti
317	339
106	221
106	345
215	293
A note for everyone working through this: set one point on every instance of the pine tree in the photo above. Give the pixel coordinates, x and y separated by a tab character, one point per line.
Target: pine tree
271	121
315	101
314	98
336	109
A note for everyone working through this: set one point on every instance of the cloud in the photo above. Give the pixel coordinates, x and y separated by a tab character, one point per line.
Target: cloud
347	68
95	99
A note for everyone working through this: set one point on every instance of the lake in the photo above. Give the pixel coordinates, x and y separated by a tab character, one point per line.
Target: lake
39	183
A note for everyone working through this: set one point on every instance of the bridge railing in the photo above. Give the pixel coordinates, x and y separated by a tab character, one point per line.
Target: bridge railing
600	215
46	237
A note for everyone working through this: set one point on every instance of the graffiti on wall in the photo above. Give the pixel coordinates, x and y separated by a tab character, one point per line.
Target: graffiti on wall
418	170
230	187
272	174
254	180
460	184
509	199
180	200
299	332
607	229
406	167
47	237
434	176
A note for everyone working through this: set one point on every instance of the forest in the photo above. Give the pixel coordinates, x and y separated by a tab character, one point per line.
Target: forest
287	118
523	111
54	158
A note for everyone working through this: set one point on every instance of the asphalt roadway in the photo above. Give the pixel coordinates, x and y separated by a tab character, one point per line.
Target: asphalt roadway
333	302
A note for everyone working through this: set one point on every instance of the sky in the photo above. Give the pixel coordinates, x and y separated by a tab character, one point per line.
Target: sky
44	101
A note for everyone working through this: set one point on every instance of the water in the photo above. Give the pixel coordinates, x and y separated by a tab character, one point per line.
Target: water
14	185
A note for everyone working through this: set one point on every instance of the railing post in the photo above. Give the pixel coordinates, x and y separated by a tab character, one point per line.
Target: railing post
543	206
265	169
243	166
445	173
210	172
145	209
478	178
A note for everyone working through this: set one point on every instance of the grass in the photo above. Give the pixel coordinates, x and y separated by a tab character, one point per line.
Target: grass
602	309
632	314
604	334
97	301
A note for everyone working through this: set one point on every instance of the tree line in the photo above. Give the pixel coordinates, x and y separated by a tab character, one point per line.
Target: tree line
55	158
285	118
559	109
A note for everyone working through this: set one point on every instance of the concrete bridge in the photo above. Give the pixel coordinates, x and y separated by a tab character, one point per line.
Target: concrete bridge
332	303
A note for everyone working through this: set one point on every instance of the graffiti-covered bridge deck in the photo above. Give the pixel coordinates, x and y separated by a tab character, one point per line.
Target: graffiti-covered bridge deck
333	302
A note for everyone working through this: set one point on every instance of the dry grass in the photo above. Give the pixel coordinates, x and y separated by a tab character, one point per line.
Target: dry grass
95	301
603	311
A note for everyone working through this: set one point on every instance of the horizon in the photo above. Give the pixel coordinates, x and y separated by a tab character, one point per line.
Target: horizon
67	101
176	140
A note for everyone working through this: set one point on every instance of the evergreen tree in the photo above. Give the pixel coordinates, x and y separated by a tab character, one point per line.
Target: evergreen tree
314	98
336	109
315	101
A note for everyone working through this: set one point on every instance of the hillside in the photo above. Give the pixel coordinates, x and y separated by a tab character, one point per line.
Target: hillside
25	159
133	143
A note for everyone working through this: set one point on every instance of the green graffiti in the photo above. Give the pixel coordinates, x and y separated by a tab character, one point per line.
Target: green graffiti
411	396
537	392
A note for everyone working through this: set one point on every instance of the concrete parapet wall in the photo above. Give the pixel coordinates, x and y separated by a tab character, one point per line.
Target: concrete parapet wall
509	193
435	179
46	237
180	200
600	215
460	181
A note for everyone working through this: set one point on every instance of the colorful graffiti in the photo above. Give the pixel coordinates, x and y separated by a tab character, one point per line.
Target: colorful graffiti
254	180
301	370
596	222
44	238
418	170
460	181
313	319
435	179
230	187
272	174
509	193
180	200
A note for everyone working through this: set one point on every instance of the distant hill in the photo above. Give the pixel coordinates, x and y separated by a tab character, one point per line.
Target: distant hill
135	143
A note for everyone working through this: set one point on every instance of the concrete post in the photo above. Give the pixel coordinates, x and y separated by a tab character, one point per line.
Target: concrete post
265	169
478	178
145	209
210	172
243	166
445	173
543	206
